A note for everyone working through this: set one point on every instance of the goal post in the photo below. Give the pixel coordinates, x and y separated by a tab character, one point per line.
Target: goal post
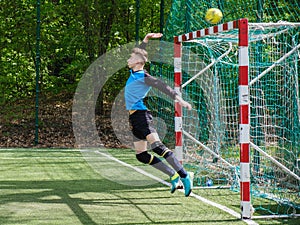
244	118
237	75
242	26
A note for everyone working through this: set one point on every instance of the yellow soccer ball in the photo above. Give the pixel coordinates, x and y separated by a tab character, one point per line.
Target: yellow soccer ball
213	15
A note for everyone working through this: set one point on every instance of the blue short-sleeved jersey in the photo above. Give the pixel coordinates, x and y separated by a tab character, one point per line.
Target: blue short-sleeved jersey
136	90
137	87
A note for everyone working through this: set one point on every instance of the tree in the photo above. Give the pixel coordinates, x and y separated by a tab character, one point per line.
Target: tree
73	35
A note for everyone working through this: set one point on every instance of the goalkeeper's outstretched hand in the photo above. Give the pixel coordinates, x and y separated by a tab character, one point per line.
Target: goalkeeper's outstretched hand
183	103
152	35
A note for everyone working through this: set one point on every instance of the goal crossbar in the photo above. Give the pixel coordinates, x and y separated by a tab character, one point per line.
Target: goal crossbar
206	31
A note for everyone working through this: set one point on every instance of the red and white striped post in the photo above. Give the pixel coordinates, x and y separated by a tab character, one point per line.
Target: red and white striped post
244	102
178	108
244	119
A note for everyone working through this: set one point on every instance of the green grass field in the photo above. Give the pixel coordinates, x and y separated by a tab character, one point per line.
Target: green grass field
59	186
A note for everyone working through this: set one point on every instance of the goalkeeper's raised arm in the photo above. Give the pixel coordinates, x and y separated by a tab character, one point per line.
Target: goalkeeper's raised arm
147	37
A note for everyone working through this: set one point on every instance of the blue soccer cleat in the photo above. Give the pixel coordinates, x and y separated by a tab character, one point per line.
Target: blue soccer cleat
174	182
188	185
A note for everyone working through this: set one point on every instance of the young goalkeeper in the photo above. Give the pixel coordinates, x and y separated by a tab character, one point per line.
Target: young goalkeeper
140	118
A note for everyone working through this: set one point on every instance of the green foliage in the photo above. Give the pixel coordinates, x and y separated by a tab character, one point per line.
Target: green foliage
73	35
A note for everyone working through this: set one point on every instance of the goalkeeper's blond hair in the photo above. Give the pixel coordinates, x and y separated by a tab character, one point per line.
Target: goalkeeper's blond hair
141	53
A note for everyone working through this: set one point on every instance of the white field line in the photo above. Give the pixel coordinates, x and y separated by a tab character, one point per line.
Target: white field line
134	168
276	216
219	206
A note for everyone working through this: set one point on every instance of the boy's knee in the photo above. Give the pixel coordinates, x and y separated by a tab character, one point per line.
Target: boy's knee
144	157
160	149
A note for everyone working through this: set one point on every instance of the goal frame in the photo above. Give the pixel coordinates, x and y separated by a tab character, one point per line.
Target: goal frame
244	101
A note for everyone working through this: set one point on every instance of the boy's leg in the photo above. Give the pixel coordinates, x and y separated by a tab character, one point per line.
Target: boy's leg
143	156
142	129
159	148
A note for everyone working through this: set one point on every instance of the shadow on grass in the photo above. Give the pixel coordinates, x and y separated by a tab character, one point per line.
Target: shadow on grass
62	189
65	189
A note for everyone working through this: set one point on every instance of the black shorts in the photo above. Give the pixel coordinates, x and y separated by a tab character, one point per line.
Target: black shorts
141	124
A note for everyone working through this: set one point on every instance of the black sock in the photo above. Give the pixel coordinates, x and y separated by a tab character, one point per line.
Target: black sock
158	164
172	160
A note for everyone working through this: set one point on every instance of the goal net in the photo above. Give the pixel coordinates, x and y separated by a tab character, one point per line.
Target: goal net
211	66
254	151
